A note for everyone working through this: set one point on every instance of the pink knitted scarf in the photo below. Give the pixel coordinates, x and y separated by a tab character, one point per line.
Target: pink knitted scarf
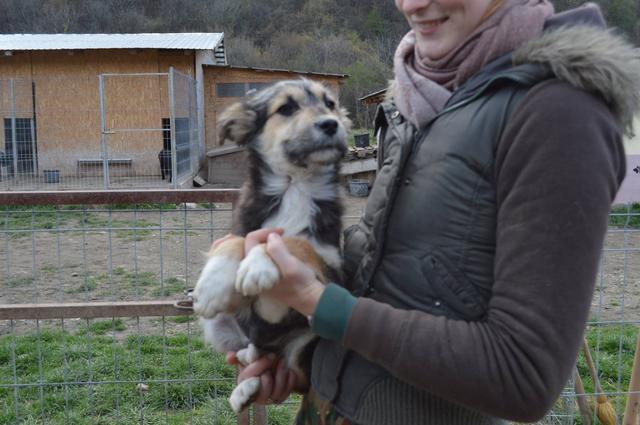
423	86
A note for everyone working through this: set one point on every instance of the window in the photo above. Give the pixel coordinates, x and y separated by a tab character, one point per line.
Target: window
259	86
25	145
231	89
238	89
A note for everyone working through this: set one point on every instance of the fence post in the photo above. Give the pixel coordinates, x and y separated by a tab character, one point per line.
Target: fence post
172	126
194	140
259	415
103	136
14	144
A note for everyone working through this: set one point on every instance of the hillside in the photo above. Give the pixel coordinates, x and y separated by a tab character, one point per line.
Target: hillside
354	37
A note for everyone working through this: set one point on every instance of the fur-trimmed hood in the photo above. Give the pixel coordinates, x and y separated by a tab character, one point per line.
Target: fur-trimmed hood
593	59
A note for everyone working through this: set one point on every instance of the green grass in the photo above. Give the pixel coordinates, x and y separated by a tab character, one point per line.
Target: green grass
612	349
180	233
19	222
182	319
122	229
17	218
128	280
48	269
92	356
615	348
20	281
626	216
91	284
165	206
101	327
172	285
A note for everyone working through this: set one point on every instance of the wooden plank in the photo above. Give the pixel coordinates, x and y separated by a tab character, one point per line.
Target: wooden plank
243	417
91	310
259	415
141	196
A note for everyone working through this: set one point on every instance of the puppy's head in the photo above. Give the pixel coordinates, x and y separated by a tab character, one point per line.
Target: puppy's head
293	125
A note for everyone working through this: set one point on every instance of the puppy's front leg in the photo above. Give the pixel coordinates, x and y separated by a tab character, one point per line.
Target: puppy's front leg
215	291
257	272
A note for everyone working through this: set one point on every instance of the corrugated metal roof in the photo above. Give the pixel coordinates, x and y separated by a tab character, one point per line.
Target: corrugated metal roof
373	96
322	74
197	41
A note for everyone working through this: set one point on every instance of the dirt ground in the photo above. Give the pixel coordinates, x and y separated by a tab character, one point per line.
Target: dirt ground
122	255
148	254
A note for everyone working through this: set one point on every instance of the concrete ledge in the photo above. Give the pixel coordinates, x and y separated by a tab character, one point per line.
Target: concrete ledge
224	150
359	166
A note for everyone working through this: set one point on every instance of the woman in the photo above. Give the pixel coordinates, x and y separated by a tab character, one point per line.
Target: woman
469	278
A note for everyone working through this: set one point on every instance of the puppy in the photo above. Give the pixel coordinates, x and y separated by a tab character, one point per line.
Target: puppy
295	134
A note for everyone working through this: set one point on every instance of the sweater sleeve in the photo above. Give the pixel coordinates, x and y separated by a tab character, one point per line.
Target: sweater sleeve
559	164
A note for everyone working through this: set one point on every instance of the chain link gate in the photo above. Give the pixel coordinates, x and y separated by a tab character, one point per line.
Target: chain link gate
152	140
116	131
18	153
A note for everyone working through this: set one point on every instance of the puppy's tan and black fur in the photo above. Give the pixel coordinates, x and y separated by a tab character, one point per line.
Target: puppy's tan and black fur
295	134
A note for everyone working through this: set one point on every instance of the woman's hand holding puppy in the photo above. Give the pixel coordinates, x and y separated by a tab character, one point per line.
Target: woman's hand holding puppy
299	289
277	382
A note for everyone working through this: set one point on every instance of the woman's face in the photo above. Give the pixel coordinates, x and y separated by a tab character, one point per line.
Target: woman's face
441	25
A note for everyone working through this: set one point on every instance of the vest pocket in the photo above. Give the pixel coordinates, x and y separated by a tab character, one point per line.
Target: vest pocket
452	287
343	377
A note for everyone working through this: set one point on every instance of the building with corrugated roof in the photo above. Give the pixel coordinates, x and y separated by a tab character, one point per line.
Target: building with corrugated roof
94	105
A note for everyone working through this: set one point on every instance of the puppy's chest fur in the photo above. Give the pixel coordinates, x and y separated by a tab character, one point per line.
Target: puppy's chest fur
297	210
307	207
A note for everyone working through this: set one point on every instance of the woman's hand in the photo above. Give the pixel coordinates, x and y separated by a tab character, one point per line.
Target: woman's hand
277	382
298	287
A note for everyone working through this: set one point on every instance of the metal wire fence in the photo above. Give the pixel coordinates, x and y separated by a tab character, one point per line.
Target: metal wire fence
136	359
98	132
114	366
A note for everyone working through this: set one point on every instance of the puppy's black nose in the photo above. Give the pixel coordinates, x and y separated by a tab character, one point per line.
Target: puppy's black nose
328	126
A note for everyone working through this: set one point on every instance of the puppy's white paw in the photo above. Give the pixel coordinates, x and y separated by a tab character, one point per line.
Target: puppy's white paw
215	291
248	355
244	393
256	272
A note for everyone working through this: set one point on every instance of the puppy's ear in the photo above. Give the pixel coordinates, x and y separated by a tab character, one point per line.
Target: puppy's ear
237	123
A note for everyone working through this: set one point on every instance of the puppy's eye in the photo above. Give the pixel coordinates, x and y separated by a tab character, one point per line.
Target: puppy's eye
329	103
288	108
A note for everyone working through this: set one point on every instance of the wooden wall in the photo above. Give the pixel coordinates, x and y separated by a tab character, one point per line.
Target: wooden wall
67	104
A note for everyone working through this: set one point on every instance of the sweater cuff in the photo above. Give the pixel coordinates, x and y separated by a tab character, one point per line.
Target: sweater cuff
331	316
